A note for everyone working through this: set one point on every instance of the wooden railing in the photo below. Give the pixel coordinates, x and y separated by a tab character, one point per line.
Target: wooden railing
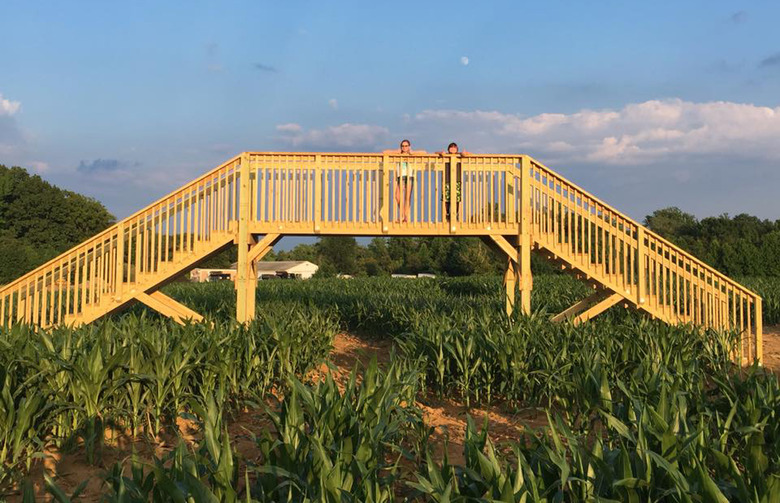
360	194
129	257
649	271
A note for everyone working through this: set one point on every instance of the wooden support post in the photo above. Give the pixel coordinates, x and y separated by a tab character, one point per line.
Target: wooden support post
453	168
317	192
510	195
526	280
759	331
245	285
500	245
640	260
255	253
589	307
510	285
120	263
251	284
384	204
168	307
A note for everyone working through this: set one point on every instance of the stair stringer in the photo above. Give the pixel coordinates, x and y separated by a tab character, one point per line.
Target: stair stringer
575	268
172	270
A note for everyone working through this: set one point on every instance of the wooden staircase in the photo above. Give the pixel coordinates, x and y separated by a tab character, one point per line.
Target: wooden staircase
628	264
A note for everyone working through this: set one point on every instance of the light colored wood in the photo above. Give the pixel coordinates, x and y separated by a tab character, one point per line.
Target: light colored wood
245	285
262	247
526	280
169	307
504	245
385	202
453	173
759	335
317	192
585	304
350	192
589	307
120	261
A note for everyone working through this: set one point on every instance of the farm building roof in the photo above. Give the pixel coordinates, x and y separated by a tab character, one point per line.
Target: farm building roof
279	265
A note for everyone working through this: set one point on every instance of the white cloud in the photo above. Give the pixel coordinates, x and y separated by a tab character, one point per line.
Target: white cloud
8	107
464	60
289	128
333	103
12	139
347	135
638	133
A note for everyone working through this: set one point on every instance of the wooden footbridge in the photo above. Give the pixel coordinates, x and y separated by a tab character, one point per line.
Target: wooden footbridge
514	203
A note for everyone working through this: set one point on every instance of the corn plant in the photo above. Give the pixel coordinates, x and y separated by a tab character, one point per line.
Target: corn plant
333	446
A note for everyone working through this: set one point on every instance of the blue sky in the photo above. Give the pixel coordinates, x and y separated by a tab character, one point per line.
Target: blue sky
646	104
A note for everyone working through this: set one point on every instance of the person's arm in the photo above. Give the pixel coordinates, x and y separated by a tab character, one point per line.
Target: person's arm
465	153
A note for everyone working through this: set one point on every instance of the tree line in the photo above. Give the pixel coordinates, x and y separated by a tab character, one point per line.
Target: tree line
38	221
742	245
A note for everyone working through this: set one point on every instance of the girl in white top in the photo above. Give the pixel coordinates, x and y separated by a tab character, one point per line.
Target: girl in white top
404	181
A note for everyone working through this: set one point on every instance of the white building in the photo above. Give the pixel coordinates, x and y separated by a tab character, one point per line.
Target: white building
300	269
296	269
204	275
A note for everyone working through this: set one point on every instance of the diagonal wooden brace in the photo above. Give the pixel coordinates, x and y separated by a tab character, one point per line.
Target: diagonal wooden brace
500	242
589	307
168	307
262	247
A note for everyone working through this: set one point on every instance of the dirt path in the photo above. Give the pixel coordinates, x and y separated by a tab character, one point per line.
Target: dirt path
772	348
446	416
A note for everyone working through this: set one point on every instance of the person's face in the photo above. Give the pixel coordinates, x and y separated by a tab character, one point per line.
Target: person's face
452	149
405	146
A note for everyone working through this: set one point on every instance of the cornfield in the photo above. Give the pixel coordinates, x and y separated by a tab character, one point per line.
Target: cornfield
636	410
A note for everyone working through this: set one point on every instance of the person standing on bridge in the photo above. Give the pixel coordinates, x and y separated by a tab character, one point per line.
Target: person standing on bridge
452	148
404	179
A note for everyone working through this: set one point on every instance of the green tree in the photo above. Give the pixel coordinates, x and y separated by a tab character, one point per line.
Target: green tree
38	221
770	253
671	223
339	251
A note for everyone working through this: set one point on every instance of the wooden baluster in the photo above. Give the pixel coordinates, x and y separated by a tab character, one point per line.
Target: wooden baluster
759	334
385	191
120	260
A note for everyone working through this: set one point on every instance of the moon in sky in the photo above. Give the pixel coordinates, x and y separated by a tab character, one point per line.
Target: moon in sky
464	60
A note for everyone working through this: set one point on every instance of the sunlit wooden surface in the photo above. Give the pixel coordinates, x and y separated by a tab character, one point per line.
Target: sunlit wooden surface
514	203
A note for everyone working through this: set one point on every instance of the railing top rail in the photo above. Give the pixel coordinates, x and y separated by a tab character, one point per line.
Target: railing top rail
113	228
585	192
380	155
719	275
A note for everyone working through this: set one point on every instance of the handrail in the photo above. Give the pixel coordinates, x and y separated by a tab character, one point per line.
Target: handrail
114	227
131	251
648	232
647	269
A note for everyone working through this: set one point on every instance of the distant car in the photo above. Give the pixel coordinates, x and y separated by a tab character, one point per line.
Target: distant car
217	276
